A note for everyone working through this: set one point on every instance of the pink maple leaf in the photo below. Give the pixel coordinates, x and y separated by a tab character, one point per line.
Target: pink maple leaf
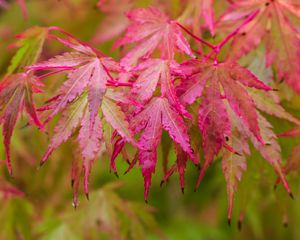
152	29
16	95
216	83
273	25
157	115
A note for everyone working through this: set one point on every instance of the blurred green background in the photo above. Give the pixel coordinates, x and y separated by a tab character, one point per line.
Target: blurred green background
116	209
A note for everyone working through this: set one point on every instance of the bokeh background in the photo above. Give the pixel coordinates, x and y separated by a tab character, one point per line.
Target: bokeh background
37	204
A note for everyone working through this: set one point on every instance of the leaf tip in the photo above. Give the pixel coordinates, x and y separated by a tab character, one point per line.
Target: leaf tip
41	164
240	225
87	196
10	172
161	183
229	221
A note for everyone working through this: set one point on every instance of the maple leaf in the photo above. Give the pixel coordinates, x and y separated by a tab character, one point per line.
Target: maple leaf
87	68
157	115
152	29
76	115
115	21
88	74
233	166
270	151
153	71
30	44
16	95
206	79
179	166
214	125
274	25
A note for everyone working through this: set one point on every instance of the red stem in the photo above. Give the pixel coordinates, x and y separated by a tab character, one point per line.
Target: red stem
232	34
54	28
51	73
195	37
216	48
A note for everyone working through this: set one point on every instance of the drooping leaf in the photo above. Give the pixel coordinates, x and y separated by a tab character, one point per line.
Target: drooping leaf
90	142
214	84
233	166
158	114
80	100
230	76
271	150
86	69
77	115
214	125
16	95
68	122
179	166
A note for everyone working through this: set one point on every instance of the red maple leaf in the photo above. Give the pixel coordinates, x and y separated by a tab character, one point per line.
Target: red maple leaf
16	93
151	73
152	29
81	98
158	114
274	26
215	83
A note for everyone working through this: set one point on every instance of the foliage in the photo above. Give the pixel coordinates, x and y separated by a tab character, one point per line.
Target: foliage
219	77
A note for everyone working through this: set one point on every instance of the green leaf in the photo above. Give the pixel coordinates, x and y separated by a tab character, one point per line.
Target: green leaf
30	46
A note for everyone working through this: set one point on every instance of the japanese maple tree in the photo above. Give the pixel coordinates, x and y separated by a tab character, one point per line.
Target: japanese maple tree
174	74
